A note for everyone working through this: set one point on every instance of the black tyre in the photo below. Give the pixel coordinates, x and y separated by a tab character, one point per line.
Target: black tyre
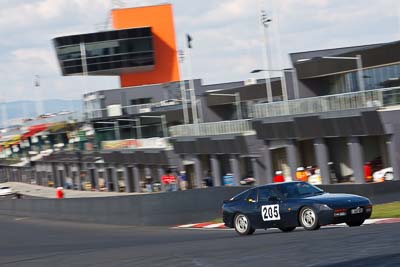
308	218
287	229
243	225
355	223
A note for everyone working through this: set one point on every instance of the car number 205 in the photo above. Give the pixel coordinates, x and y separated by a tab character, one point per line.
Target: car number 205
270	213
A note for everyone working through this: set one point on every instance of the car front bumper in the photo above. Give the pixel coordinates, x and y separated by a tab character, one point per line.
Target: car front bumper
328	216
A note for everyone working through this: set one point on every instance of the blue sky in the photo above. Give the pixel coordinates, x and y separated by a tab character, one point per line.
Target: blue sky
227	36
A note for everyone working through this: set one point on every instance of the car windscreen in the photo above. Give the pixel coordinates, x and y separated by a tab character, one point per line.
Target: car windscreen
296	190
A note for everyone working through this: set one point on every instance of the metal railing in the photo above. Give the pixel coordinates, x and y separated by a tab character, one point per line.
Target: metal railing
358	100
213	128
134	109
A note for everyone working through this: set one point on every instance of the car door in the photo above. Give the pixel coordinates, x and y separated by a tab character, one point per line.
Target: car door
250	208
269	208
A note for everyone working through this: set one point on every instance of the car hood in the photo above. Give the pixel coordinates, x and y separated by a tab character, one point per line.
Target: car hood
340	200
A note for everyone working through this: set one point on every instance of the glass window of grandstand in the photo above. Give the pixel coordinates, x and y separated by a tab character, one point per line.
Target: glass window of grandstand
105	51
374	78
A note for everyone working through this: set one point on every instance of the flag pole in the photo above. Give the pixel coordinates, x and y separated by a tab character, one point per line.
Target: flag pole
193	101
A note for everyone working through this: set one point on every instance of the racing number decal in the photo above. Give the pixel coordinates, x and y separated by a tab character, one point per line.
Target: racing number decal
270	213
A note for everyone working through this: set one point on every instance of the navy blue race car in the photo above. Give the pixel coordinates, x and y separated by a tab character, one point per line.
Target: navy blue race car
292	204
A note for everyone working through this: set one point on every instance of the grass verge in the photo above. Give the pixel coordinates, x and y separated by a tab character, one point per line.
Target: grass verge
389	210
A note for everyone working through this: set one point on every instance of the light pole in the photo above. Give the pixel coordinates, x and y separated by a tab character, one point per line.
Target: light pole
358	60
116	127
163	123
138	126
181	55
192	91
265	21
237	103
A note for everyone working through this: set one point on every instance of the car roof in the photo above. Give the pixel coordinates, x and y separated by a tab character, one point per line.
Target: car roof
291	182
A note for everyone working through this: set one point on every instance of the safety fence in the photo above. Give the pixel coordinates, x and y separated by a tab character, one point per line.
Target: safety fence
357	100
213	128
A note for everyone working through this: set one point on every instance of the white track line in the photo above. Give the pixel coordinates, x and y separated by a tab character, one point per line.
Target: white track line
186	225
215	225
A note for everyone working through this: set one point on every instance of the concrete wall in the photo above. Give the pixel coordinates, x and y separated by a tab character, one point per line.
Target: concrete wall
165	209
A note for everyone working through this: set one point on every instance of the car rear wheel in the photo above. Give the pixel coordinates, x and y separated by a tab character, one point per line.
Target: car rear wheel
355	223
308	218
243	225
389	176
287	229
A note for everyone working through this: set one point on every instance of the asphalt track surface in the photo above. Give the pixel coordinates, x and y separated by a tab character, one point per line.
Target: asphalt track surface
32	242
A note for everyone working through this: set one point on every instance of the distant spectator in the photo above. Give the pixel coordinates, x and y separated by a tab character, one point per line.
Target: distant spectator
149	183
169	181
183	180
368	172
60	192
279	178
301	174
208	180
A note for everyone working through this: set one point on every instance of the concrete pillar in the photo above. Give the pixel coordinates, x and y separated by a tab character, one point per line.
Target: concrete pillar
291	151
393	145
115	179
108	177
147	171
96	177
128	172
179	164
256	170
67	172
198	172
383	140
79	176
268	165
58	175
136	179
356	159
215	170
235	168
64	175
322	156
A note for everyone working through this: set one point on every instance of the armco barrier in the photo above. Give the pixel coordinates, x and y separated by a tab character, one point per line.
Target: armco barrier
159	209
151	209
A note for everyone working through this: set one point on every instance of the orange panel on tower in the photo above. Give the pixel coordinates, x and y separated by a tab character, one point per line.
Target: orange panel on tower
161	20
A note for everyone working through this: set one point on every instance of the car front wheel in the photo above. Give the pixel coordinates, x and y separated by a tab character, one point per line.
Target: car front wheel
308	218
243	225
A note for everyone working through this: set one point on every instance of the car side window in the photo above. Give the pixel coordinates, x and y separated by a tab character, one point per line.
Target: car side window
252	196
264	193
